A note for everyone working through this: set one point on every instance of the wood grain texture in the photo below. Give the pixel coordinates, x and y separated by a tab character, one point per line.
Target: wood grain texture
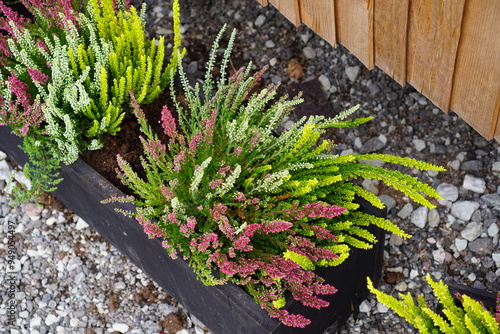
390	33
354	28
263	2
289	8
319	15
433	37
476	83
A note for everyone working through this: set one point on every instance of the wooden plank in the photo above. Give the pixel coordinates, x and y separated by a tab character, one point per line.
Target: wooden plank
354	28
496	113
263	2
433	37
289	8
476	83
319	15
390	32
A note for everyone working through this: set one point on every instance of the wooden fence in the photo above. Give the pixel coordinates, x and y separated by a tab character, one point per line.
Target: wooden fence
449	50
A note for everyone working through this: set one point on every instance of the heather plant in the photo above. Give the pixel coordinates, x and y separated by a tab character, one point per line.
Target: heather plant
247	206
469	317
66	77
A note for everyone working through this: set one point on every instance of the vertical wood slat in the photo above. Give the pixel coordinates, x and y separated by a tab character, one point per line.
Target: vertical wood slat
497	113
354	28
433	38
263	2
476	83
289	8
319	15
390	27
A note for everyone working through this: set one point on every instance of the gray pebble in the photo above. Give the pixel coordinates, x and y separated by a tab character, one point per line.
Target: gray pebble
475	184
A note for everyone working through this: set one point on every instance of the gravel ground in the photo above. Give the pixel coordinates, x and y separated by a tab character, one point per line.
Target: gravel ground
73	281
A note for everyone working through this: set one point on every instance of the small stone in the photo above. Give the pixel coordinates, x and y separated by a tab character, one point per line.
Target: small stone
381	308
163	31
433	218
481	246
395	240
496	258
495	167
5	170
353	72
406	211
370	185
120	327
33	210
74	263
401	286
413	273
21	178
365	306
422	101
472	277
372	145
273	61
259	21
439	255
81	224
51	221
493	230
389	202
472	165
419	144
464	209
325	82
491	199
461	244
419	216
74	322
309	52
474	184
35	322
472	231
51	319
269	44
448	191
3	155
374	89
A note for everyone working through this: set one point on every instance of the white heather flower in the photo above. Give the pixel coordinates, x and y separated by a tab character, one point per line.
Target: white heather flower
229	183
198	175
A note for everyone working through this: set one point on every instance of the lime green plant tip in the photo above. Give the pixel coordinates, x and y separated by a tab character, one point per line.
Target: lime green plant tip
471	318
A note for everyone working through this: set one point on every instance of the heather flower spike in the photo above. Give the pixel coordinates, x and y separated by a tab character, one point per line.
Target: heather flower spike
260	210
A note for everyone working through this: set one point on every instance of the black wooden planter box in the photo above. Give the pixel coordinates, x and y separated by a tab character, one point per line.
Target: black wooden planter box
224	309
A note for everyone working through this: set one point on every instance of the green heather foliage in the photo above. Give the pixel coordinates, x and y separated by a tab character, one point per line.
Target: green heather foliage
66	84
471	317
249	207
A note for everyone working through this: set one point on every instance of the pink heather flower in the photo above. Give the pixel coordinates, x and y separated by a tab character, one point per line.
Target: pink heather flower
152	230
42	45
168	123
250	229
12	16
191	222
320	210
139	114
172	216
255	139
239	197
215	183
178	160
209	127
237	151
275	226
323	233
167	192
153	148
224	170
243	244
170	249
20	90
255	200
193	143
38	76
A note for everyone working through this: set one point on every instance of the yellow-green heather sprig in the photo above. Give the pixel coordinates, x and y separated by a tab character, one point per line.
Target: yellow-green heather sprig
471	318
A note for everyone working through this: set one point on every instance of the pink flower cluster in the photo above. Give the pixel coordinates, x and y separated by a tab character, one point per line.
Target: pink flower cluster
320	210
